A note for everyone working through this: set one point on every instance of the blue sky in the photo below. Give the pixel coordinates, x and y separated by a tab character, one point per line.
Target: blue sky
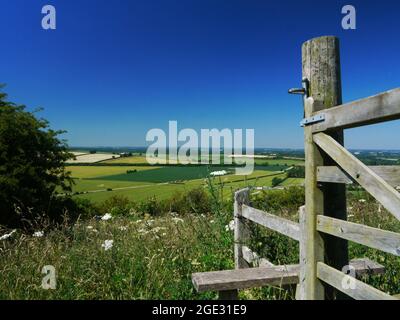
115	69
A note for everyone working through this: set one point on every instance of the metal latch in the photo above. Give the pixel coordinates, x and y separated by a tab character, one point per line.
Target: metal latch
312	120
304	90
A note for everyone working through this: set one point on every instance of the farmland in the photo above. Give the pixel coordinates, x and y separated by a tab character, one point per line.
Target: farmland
134	178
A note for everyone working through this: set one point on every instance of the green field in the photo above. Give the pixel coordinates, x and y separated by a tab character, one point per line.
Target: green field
138	183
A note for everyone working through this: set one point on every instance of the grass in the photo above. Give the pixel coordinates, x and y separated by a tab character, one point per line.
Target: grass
150	259
154	257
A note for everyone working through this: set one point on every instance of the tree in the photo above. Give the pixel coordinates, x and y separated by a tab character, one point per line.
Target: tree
276	181
32	167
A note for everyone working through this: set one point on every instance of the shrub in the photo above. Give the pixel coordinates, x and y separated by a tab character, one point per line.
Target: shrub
32	168
289	199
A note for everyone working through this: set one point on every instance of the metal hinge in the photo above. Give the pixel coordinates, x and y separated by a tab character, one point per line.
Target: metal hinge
312	120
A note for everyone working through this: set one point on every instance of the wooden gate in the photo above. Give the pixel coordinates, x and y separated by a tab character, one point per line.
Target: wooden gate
323	230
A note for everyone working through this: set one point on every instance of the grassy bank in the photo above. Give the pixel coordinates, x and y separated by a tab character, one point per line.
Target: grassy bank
153	257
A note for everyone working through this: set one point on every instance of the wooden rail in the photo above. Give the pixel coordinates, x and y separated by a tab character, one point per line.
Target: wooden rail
367	178
334	174
375	109
359	290
286	227
383	240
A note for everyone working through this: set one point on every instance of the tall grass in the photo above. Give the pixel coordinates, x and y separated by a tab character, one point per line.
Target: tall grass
153	257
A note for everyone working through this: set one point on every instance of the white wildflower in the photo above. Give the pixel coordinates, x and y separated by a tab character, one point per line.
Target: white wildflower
362	200
7	235
157	229
123	228
164	234
107	245
212	221
106	217
89	227
38	234
232	225
176	220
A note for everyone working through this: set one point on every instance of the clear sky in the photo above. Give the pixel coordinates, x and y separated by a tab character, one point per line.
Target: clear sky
112	70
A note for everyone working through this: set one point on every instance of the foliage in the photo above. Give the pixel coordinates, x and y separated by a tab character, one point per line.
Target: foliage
297	172
31	166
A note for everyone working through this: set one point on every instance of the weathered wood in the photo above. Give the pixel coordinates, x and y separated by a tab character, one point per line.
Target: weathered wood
254	259
367	178
228	295
245	278
383	240
270	221
321	67
300	290
375	109
334	174
241	231
228	280
360	290
314	245
366	266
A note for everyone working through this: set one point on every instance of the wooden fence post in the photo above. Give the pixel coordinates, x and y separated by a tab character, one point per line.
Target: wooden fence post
241	237
321	68
300	289
242	232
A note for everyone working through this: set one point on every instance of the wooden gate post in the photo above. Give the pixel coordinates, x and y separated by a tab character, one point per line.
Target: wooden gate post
241	237
242	233
321	68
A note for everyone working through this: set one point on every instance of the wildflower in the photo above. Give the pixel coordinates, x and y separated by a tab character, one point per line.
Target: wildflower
176	220
108	244
212	221
89	227
362	200
7	235
123	228
164	234
38	234
230	226
106	217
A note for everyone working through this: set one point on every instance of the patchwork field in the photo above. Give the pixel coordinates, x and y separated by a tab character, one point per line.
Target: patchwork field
141	181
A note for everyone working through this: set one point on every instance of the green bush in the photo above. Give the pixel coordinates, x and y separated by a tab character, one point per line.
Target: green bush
276	200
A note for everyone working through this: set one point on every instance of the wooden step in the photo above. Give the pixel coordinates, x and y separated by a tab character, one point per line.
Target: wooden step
266	276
